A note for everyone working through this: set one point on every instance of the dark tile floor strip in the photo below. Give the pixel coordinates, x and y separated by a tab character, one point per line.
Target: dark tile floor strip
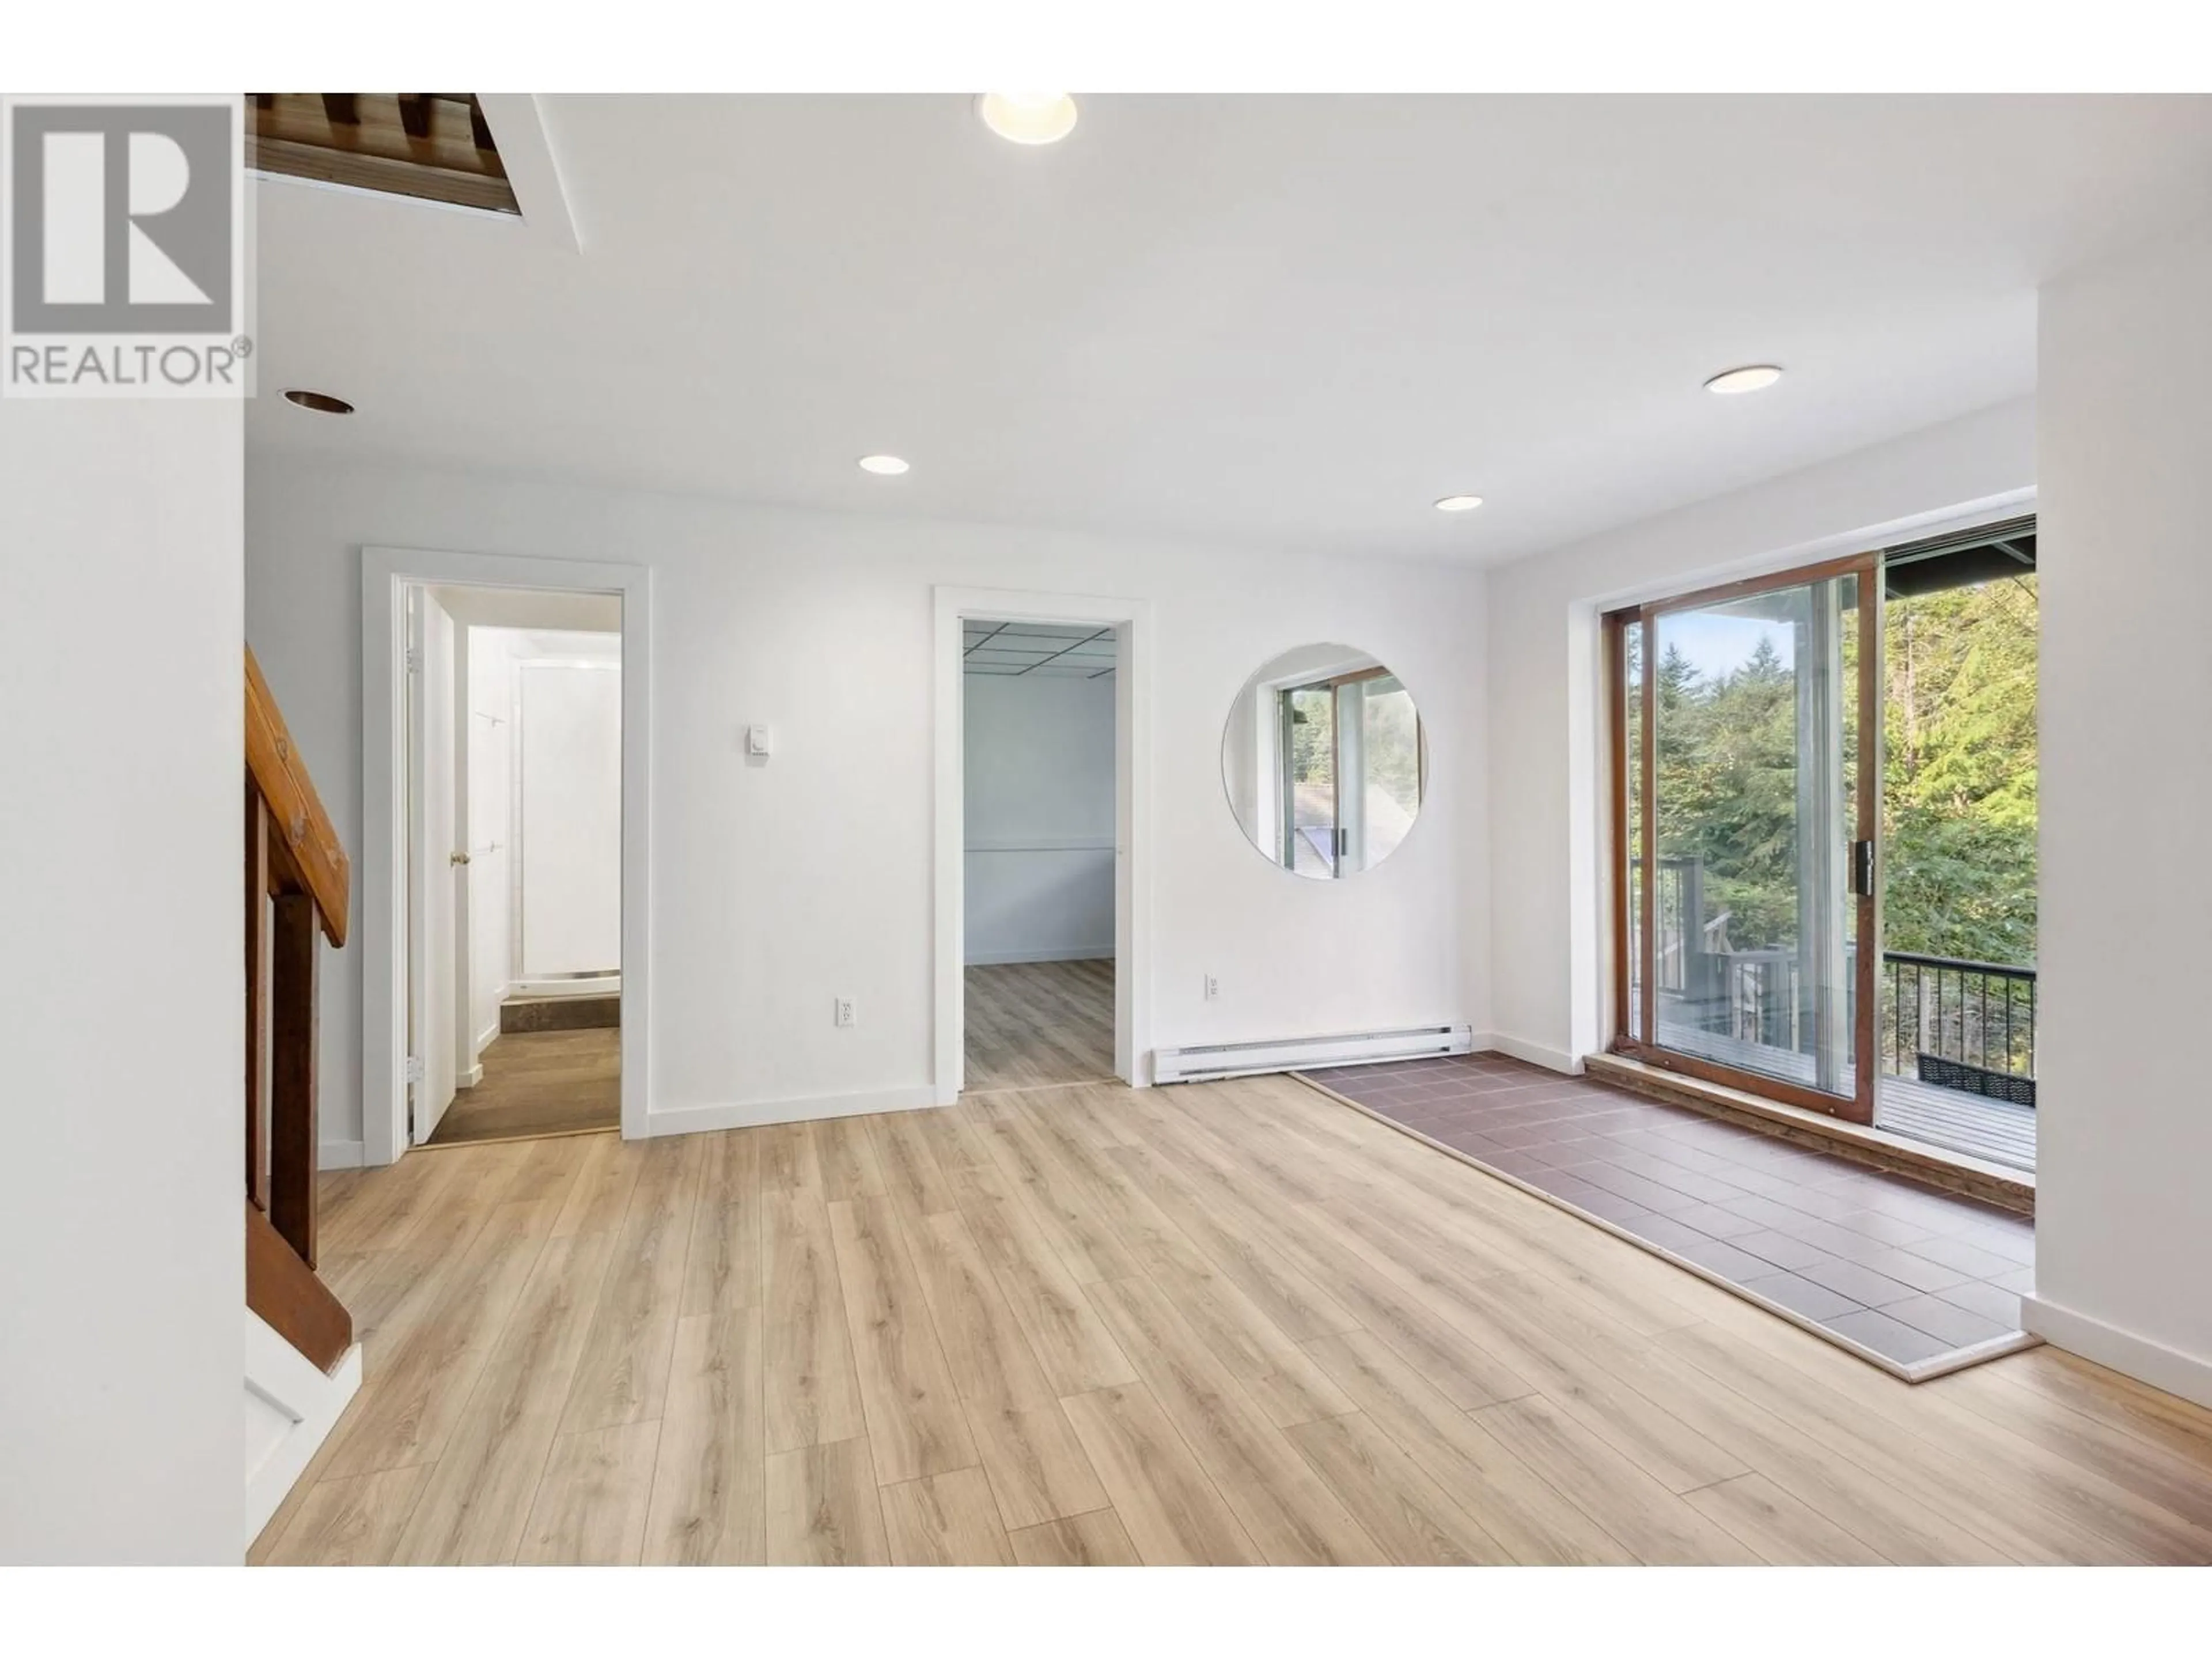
1912	1273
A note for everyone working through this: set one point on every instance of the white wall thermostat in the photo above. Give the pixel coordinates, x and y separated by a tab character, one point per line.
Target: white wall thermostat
756	740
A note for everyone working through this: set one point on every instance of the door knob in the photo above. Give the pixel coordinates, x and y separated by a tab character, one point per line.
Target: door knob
457	858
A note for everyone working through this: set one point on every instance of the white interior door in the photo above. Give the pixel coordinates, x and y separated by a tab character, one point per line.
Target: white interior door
433	953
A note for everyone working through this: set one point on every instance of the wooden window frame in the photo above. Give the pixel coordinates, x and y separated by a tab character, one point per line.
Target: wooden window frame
1635	1026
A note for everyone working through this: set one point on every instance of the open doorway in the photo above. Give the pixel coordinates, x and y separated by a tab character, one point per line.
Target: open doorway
1956	990
432	1004
513	860
1038	744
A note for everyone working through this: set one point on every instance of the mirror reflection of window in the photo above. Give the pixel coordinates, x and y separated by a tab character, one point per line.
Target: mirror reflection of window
1306	720
1392	753
1324	762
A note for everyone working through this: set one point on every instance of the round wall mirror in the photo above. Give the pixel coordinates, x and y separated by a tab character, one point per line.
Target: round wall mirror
1325	762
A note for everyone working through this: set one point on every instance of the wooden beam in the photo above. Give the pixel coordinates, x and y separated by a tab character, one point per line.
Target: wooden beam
292	1076
284	1291
480	129
302	826
415	113
340	108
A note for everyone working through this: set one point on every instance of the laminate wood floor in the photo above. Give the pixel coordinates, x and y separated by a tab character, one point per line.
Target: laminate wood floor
1031	1024
1237	1322
539	1083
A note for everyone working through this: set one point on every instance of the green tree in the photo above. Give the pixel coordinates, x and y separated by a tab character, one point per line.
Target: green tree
1959	785
1959	795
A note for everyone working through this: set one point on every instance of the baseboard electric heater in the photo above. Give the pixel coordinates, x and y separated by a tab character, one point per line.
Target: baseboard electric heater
1219	1059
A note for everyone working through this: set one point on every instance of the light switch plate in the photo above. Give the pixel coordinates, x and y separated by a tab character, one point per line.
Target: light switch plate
756	740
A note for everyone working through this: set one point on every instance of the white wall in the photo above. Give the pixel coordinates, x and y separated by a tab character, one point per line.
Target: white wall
780	886
2125	549
490	740
1039	810
122	982
568	833
1546	838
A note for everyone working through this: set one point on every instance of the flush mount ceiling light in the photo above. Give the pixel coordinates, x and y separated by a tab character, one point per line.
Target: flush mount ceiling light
1028	118
885	466
321	402
1459	503
1752	377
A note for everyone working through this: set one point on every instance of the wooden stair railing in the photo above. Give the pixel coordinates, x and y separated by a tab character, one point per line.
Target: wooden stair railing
297	881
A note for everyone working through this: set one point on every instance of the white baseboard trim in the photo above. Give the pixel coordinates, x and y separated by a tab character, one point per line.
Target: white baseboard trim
750	1114
281	1387
1068	953
1554	1060
471	1077
2138	1357
488	1036
338	1155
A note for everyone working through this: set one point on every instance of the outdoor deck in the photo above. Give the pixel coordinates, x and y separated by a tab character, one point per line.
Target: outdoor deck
2002	1131
1998	1131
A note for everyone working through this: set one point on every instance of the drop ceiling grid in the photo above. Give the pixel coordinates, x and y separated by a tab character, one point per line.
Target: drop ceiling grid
1037	650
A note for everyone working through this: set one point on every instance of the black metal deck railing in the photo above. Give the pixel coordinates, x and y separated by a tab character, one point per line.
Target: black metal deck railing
1963	1024
1946	1020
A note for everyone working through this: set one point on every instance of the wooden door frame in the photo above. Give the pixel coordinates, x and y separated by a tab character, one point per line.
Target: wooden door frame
1635	1029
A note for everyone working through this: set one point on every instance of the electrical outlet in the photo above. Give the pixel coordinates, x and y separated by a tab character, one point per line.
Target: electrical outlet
845	1015
1212	987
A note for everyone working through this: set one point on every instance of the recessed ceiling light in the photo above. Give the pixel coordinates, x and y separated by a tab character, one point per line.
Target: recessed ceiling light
888	466
1753	377
321	402
1459	503
1028	118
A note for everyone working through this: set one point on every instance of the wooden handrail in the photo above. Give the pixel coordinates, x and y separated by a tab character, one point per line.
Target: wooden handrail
297	882
302	827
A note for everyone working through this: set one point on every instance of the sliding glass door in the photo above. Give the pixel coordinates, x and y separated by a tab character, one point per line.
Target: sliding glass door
1745	890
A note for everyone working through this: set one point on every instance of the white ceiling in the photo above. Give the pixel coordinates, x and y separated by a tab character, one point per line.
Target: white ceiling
1291	322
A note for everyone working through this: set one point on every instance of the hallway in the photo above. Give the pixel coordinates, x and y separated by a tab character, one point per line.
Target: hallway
539	1083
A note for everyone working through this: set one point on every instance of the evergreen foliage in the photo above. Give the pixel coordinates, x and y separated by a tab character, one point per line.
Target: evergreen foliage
1958	790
